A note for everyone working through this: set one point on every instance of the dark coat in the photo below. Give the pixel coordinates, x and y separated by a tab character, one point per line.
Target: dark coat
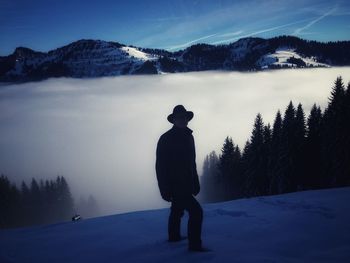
176	164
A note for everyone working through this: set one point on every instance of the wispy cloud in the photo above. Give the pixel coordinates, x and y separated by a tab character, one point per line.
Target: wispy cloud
219	19
231	34
190	42
162	19
246	18
298	31
259	32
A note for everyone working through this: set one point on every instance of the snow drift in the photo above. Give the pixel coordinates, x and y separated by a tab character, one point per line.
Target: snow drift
310	226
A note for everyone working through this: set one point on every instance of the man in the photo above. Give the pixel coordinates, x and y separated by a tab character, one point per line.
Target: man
178	179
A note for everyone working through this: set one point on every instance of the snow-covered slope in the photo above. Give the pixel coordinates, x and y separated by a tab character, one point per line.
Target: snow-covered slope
287	57
83	58
310	226
138	54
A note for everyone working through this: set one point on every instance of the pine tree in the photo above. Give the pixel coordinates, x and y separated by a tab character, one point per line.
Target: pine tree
65	200
333	138
212	187
274	156
237	177
10	206
15	206
25	203
299	143
313	148
206	167
226	167
267	135
286	164
5	200
256	169
206	182
244	169
213	165
35	203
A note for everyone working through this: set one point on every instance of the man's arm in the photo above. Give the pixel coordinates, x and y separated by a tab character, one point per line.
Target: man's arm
161	170
196	186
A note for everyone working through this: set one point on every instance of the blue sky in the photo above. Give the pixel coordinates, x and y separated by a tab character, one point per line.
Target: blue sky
172	25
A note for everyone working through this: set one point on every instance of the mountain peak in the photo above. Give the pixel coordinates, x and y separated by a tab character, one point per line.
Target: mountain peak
24	51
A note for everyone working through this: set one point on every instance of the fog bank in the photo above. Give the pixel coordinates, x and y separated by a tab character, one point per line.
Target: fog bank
101	134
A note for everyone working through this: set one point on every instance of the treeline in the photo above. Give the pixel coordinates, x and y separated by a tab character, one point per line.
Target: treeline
41	202
296	153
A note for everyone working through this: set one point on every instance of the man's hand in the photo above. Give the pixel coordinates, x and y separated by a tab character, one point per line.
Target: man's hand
196	193
195	187
166	197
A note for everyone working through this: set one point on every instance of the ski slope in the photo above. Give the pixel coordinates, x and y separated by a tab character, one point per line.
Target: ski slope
280	58
310	226
137	54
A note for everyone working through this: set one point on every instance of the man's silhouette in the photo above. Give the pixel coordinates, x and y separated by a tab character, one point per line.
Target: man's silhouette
178	179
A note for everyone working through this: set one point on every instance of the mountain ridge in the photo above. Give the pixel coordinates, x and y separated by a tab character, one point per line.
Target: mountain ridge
86	58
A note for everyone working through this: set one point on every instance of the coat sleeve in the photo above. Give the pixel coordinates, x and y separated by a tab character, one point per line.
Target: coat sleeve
196	186
161	169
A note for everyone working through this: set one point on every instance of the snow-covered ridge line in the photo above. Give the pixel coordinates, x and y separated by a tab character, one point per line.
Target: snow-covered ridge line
95	58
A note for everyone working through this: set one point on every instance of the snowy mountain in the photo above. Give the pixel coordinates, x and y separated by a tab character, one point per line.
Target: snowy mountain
310	226
96	58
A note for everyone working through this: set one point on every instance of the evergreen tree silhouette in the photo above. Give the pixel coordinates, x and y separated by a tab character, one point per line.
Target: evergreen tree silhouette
226	167
35	202
313	169
267	136
4	200
256	167
274	153
210	181
237	177
299	142
206	166
286	171
64	199
333	138
26	204
296	154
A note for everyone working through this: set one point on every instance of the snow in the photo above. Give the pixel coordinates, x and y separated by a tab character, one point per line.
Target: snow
281	56
309	226
133	52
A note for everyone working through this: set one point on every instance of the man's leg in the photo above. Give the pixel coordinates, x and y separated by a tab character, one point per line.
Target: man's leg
194	227
174	224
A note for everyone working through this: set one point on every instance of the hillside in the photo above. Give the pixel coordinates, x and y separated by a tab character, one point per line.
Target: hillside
310	226
88	58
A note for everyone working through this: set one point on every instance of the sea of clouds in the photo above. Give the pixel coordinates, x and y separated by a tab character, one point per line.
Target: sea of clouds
101	134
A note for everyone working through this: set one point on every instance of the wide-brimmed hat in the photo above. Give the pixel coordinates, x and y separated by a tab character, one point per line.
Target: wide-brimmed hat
179	110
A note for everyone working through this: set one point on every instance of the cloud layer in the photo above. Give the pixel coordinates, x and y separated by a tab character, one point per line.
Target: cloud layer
101	134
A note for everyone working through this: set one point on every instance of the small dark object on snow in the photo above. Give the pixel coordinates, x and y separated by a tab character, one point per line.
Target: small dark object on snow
76	218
